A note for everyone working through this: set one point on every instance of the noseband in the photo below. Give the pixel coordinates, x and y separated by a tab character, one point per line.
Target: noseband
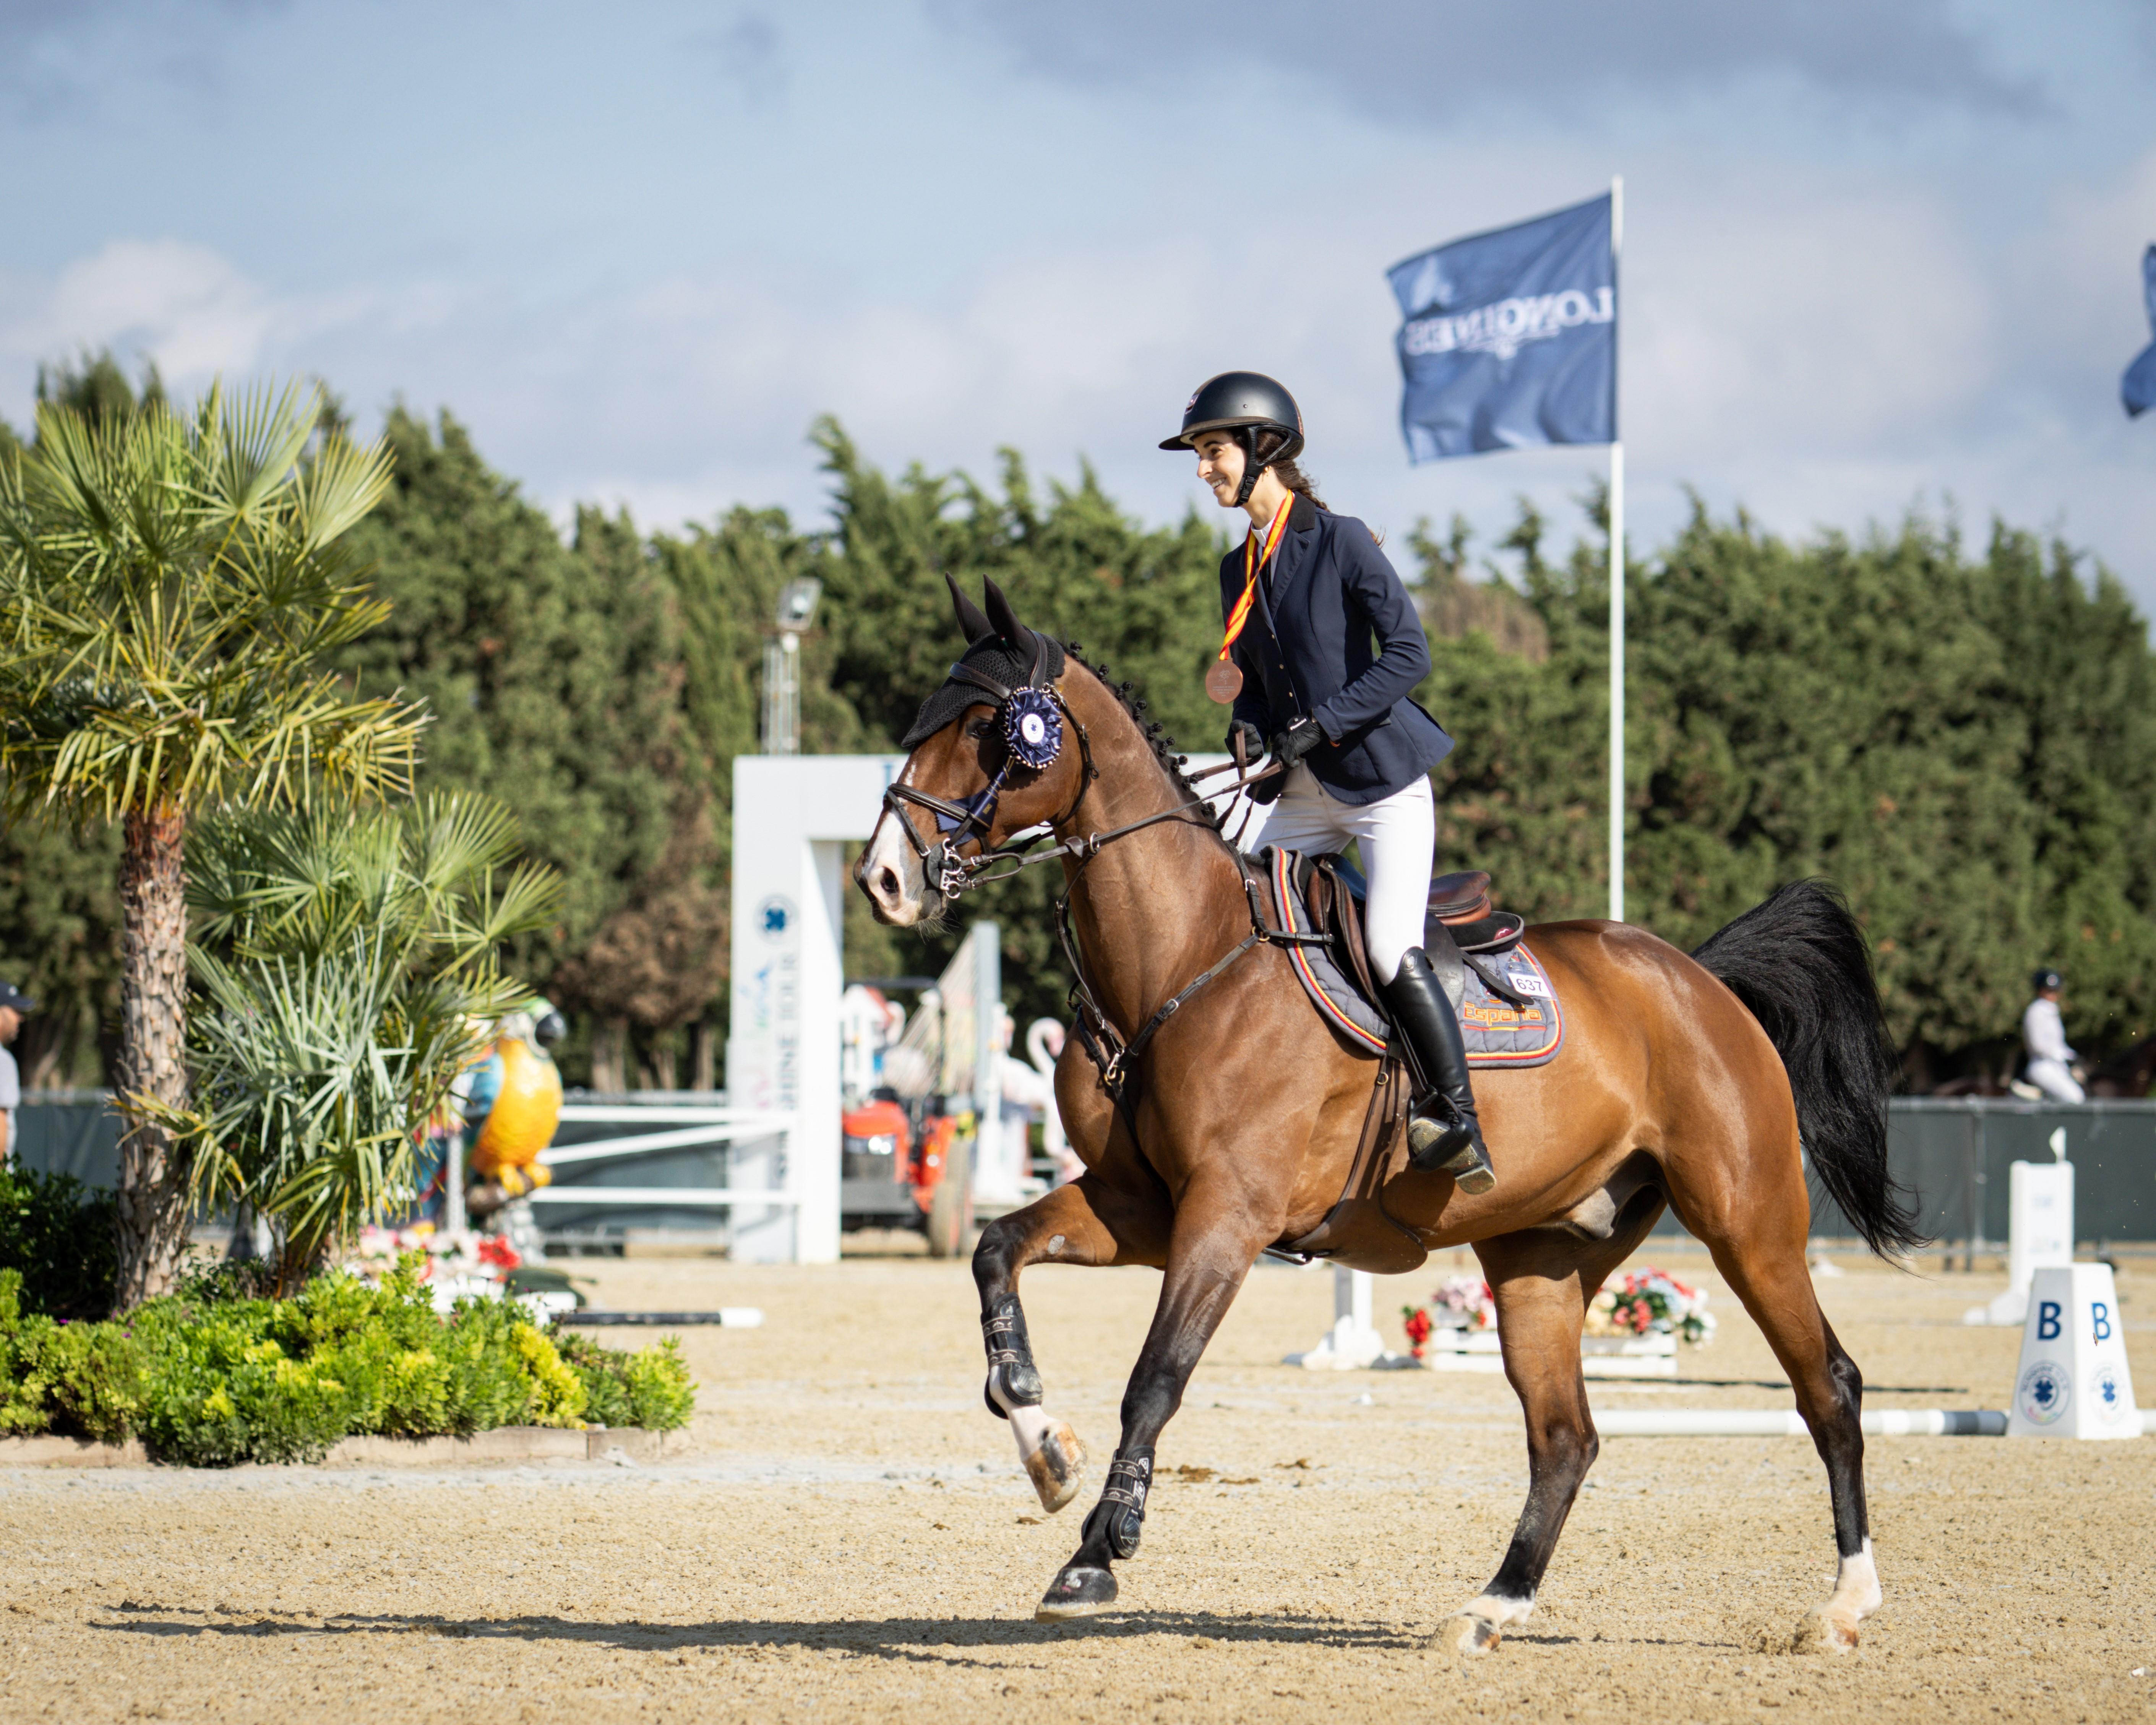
1028	743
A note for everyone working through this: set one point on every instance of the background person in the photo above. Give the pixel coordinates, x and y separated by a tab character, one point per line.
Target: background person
1322	648
13	1005
2051	1062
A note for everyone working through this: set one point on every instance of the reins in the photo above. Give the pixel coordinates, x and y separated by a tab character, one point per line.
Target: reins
950	873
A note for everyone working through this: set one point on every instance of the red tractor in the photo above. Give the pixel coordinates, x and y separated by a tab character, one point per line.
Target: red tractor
898	1172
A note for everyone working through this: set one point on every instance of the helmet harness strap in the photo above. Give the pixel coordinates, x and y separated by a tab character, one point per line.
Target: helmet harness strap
1247	436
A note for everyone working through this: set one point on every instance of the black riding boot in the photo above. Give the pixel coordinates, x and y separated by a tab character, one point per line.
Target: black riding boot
1444	1134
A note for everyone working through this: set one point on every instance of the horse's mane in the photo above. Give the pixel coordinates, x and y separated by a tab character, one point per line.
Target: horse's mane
1155	734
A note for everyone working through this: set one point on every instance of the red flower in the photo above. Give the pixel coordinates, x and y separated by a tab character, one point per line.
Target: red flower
497	1251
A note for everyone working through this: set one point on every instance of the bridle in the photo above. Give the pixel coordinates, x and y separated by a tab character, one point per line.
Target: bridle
949	872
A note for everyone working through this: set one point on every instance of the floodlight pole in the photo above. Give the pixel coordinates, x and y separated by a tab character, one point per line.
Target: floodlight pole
1616	589
782	693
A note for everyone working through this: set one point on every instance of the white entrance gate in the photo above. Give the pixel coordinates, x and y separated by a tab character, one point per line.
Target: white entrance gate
793	815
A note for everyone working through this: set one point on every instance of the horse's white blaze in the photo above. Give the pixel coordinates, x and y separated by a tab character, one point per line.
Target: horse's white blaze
888	858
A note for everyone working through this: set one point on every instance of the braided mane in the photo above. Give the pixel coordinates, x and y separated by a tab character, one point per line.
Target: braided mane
1162	744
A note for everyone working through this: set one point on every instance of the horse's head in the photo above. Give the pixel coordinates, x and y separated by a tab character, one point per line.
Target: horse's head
995	752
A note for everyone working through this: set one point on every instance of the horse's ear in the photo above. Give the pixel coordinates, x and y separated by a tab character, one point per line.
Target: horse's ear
971	624
1016	635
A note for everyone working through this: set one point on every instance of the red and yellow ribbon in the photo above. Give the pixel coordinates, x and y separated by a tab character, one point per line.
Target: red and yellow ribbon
1253	563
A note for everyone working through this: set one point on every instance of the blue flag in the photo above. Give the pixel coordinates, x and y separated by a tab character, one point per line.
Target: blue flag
2138	388
1510	338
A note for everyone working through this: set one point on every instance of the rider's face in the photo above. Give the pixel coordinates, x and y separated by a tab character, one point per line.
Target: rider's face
1220	461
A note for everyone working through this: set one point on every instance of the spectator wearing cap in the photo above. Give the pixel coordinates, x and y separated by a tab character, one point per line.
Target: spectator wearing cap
14	1005
2051	1062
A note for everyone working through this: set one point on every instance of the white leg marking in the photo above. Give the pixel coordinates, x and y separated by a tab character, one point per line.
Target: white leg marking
1493	1608
1856	1597
1052	1455
1856	1587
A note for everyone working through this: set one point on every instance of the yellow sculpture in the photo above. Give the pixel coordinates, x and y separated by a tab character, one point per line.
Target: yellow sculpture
520	1089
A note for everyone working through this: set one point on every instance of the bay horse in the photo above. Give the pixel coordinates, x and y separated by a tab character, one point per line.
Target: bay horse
1230	1113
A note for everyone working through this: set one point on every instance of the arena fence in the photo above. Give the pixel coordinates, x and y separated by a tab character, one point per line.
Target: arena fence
1952	1153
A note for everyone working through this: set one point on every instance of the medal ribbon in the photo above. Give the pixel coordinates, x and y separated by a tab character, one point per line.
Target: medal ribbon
1252	569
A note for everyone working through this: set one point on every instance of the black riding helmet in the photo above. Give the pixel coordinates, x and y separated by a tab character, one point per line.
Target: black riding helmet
1244	402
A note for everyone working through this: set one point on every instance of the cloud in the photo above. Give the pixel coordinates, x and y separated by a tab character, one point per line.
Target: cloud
182	304
58	56
750	56
1426	61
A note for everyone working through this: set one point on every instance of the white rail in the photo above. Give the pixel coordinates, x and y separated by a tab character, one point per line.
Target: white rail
663	1197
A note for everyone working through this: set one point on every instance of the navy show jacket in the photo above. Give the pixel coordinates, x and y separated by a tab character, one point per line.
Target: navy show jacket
1307	651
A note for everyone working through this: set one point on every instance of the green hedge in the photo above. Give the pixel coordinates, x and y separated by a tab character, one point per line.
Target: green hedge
60	1234
209	1379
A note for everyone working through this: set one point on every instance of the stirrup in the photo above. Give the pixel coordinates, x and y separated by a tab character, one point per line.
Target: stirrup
1452	1147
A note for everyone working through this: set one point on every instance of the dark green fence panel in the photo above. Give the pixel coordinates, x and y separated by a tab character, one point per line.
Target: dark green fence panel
69	1132
1953	1153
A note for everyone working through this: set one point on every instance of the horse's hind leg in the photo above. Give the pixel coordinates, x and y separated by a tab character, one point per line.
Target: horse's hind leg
1541	1280
1759	1245
1086	1222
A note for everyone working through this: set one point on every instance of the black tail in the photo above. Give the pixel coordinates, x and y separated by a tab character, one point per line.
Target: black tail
1800	963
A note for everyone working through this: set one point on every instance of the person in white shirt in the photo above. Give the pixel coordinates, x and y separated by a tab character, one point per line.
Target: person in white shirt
2051	1062
14	1004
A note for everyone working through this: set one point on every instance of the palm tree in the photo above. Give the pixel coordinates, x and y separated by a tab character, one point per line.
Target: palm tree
351	967
171	591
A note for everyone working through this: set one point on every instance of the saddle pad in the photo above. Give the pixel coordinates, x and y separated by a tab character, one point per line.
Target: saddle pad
1495	1032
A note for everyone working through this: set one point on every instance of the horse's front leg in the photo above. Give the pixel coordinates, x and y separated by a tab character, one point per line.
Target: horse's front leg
1086	1222
1212	1249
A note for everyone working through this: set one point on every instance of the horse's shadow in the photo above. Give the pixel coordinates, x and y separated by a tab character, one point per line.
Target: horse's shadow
940	1640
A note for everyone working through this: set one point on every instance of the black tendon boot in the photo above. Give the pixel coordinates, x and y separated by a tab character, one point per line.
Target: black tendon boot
1444	1134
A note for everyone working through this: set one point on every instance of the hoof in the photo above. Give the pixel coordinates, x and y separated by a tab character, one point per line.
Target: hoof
1470	1637
1054	1459
1822	1634
1079	1591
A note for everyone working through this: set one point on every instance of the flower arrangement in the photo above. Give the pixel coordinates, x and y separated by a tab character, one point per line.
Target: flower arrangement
1651	1301
1461	1303
451	1264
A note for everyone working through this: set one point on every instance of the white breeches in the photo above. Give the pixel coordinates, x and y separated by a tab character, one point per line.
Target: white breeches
1397	833
2053	1078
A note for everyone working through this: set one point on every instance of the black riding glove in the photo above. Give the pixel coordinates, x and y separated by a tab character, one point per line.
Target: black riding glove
1253	740
1298	740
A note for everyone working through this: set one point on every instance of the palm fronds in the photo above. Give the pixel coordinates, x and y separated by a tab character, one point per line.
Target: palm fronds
349	969
172	586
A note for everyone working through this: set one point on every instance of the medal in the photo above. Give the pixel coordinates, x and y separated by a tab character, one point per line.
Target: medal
1224	677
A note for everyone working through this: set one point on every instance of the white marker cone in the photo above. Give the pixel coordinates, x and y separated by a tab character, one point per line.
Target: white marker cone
2073	1381
2040	1234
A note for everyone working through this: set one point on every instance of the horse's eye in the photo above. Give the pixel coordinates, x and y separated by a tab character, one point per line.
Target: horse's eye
978	728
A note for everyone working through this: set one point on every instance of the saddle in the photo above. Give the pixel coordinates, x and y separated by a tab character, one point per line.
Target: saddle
1509	1016
1508	1011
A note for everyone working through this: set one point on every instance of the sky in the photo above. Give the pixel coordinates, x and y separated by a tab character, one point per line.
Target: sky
1875	257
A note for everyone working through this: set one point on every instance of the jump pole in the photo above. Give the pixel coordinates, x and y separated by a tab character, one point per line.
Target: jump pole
1787	1422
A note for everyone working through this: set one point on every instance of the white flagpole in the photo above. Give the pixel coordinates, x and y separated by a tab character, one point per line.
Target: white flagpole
1616	598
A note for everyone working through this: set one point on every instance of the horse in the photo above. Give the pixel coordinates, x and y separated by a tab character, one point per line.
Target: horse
1218	1116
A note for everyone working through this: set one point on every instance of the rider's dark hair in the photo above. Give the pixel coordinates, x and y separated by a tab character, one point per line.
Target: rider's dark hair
1293	477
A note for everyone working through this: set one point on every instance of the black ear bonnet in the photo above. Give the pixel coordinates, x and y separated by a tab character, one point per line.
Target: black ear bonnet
994	658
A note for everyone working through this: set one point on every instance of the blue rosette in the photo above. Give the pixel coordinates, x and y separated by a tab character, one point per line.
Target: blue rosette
1033	729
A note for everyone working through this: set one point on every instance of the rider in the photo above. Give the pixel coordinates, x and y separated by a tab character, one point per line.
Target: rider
1302	598
2051	1062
